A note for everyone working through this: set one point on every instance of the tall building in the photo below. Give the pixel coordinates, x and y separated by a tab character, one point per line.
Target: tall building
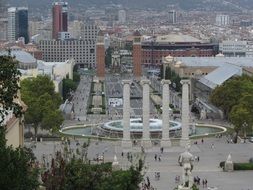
3	23
100	56
18	24
172	17
222	20
137	52
60	18
22	19
12	24
122	16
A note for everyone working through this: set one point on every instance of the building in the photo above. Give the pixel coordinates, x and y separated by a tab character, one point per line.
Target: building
14	128
25	60
236	48
172	17
176	45
3	23
82	51
90	31
60	18
100	56
222	20
18	24
122	16
22	14
12	24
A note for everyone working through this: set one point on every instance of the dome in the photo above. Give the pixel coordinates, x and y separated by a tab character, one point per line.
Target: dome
169	58
26	60
220	55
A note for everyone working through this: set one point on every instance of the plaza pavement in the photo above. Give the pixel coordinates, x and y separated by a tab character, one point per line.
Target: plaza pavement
206	168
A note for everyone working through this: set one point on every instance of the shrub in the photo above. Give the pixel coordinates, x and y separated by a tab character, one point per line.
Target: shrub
243	166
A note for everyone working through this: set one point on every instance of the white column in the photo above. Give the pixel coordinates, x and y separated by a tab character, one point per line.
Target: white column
146	142
165	143
185	113
126	141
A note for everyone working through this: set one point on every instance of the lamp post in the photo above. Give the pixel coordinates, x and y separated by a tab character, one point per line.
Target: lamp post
244	125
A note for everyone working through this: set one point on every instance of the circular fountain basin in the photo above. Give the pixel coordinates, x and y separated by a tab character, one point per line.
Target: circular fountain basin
113	130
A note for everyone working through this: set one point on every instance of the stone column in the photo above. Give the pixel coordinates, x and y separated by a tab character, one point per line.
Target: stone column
185	113
165	143
126	141
146	142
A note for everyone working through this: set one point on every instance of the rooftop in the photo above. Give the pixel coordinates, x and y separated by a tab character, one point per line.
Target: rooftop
176	38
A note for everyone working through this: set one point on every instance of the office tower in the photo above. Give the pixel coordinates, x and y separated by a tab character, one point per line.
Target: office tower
222	20
122	16
172	17
12	24
18	23
22	20
60	18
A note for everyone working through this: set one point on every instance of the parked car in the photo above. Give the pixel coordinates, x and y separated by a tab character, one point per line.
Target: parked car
251	139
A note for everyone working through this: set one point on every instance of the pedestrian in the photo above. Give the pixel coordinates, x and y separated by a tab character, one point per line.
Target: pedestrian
122	154
198	158
159	158
205	182
161	150
155	157
202	140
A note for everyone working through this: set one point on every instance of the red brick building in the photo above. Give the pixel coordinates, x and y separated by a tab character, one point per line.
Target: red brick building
137	55
175	45
100	56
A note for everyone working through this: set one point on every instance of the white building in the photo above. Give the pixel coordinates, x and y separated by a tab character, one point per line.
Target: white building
12	24
222	20
82	51
236	48
63	35
122	16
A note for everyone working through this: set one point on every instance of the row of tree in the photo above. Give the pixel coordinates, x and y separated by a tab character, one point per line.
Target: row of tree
235	98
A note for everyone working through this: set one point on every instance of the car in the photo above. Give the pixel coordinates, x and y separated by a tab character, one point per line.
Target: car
212	188
251	139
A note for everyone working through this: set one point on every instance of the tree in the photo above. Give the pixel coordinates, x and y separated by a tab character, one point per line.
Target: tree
80	175
17	169
228	94
68	86
239	115
43	103
9	77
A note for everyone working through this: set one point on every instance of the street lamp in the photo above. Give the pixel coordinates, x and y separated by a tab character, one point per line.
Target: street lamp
244	125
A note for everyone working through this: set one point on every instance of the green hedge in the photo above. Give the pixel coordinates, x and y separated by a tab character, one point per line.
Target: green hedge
239	166
243	166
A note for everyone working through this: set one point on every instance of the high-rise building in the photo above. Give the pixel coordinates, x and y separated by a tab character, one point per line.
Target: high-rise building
222	20
60	18
3	22
12	24
172	18
22	19
122	16
18	23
